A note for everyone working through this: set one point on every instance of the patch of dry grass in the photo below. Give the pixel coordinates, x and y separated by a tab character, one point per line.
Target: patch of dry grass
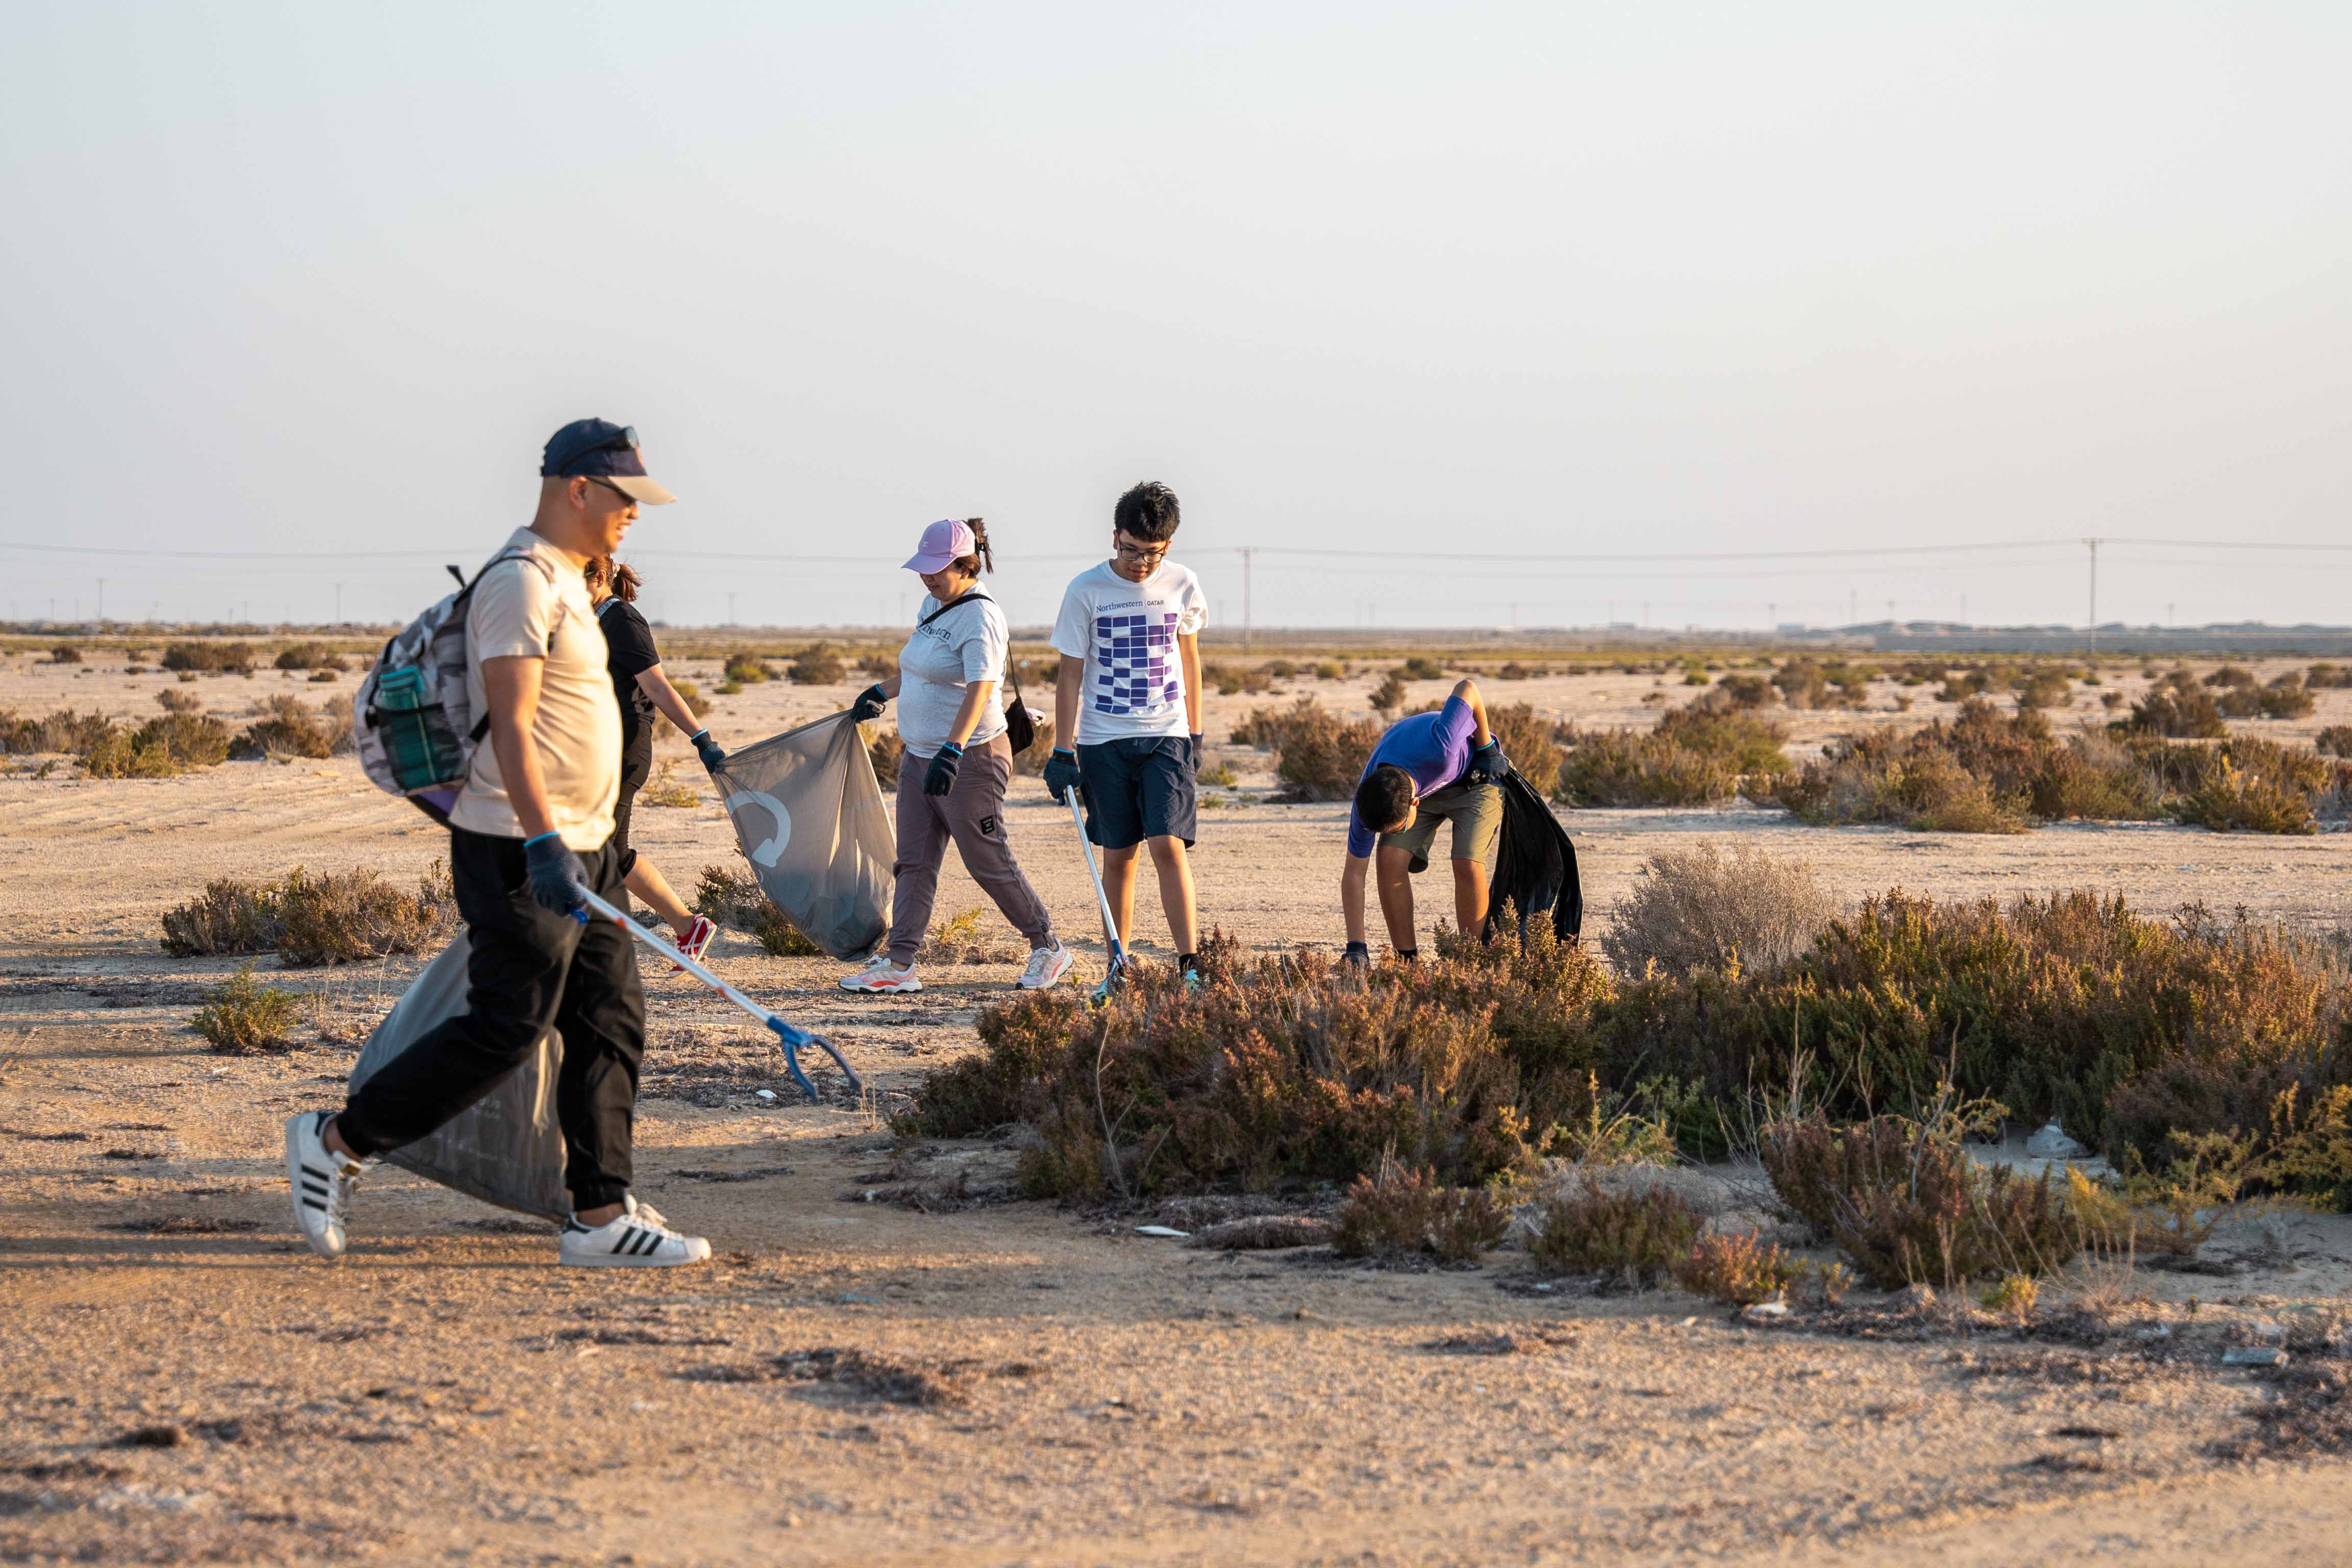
1698	908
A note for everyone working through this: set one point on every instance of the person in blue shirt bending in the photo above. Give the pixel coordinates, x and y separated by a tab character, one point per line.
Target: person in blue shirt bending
1429	768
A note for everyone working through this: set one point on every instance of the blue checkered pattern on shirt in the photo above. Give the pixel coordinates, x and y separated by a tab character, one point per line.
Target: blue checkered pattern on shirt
1135	659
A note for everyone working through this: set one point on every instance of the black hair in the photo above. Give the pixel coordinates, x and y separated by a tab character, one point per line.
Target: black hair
1147	513
982	558
1384	797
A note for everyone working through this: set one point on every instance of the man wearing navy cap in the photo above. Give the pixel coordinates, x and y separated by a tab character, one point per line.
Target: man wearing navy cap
530	828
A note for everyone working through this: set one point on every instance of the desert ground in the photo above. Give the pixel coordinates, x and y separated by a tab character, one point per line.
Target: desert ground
856	1380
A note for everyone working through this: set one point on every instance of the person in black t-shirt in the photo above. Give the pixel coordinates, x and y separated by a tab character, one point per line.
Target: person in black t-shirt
645	695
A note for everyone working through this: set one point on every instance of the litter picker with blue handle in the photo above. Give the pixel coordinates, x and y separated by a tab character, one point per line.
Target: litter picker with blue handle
791	1037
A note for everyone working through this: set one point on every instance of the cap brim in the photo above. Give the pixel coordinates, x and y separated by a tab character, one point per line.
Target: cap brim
928	563
639	488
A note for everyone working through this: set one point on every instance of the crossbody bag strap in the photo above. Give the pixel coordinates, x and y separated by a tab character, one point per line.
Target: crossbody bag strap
1011	665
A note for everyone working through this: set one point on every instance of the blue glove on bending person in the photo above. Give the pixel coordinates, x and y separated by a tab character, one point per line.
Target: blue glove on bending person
940	777
558	883
1061	775
1488	764
711	753
869	704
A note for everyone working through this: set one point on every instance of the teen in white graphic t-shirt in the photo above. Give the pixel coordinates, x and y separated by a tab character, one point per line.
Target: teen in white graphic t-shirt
1126	714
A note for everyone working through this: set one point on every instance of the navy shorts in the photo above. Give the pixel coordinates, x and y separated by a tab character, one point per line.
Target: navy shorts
1138	787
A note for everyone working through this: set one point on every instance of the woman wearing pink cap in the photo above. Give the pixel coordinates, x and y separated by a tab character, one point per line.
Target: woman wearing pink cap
957	762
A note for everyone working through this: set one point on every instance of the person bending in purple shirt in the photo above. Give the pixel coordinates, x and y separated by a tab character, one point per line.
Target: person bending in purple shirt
1430	768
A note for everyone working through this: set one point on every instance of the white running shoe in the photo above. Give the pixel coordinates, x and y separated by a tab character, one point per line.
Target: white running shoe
321	1181
1046	965
882	976
630	1241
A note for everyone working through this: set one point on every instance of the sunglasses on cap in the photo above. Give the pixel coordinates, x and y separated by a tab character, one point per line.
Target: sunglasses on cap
623	440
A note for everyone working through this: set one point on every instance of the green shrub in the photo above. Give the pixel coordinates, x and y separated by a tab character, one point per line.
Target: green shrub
2043	689
1634	1232
2233	798
1397	1212
242	1016
1623	768
745	667
1319	756
1420	666
1331	670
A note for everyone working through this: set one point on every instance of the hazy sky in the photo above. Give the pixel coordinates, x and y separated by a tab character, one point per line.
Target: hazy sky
1472	279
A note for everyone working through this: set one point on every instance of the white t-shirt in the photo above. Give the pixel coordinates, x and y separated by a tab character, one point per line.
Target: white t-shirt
938	662
1126	632
519	610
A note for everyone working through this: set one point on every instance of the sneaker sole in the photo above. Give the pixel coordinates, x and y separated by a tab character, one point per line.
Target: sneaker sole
1070	962
606	1260
907	990
294	1195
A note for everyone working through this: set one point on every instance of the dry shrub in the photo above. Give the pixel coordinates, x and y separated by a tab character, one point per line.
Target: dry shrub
959	939
1637	1234
1906	1205
1398	1212
159	748
1319	756
1808	683
1232	681
2328	677
1529	741
222	657
175	701
65	653
1331	669
287	729
242	1016
2043	689
819	664
2287	698
1698	908
2095	778
1420	666
2335	739
308	656
344	918
2178	709
63	730
1622	768
349	917
747	669
665	789
1389	695
1736	1267
885	751
735	898
696	704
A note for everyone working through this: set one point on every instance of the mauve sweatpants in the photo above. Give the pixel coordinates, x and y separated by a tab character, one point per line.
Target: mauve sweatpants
972	815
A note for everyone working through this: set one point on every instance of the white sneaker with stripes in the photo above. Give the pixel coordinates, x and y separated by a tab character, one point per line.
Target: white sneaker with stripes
630	1241
882	976
321	1180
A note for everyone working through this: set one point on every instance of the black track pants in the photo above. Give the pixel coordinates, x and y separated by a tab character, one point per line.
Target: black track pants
529	969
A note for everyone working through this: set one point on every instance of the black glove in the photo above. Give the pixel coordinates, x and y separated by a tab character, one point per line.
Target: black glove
868	705
1358	956
558	883
1061	775
940	778
1488	764
1196	741
711	753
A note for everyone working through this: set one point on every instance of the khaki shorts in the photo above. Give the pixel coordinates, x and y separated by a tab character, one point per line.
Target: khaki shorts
1475	810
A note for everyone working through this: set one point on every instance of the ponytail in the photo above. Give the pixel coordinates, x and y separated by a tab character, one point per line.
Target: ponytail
982	558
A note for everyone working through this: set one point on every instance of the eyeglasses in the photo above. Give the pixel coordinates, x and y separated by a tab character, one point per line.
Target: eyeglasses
1130	552
626	498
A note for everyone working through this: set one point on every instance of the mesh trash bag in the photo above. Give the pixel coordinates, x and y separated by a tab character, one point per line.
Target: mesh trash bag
810	817
506	1148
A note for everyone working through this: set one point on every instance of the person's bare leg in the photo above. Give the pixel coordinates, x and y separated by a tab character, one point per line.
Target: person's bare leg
1393	869
1470	896
1175	868
646	881
1119	881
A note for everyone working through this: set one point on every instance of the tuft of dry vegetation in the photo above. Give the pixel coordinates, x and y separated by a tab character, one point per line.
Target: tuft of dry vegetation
819	664
286	728
885	751
1698	908
347	917
158	748
1318	755
734	899
65	653
744	668
1397	1212
242	1016
665	789
209	657
64	731
1637	1233
1736	1267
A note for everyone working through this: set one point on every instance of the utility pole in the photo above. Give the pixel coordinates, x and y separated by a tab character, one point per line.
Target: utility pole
101	601
1249	554
2094	593
1772	616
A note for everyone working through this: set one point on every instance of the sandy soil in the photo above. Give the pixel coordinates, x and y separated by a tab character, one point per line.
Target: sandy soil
448	1395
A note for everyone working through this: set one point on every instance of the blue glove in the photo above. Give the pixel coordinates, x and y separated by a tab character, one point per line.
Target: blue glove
1061	775
1196	741
869	704
1488	764
558	883
711	753
940	777
1358	956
